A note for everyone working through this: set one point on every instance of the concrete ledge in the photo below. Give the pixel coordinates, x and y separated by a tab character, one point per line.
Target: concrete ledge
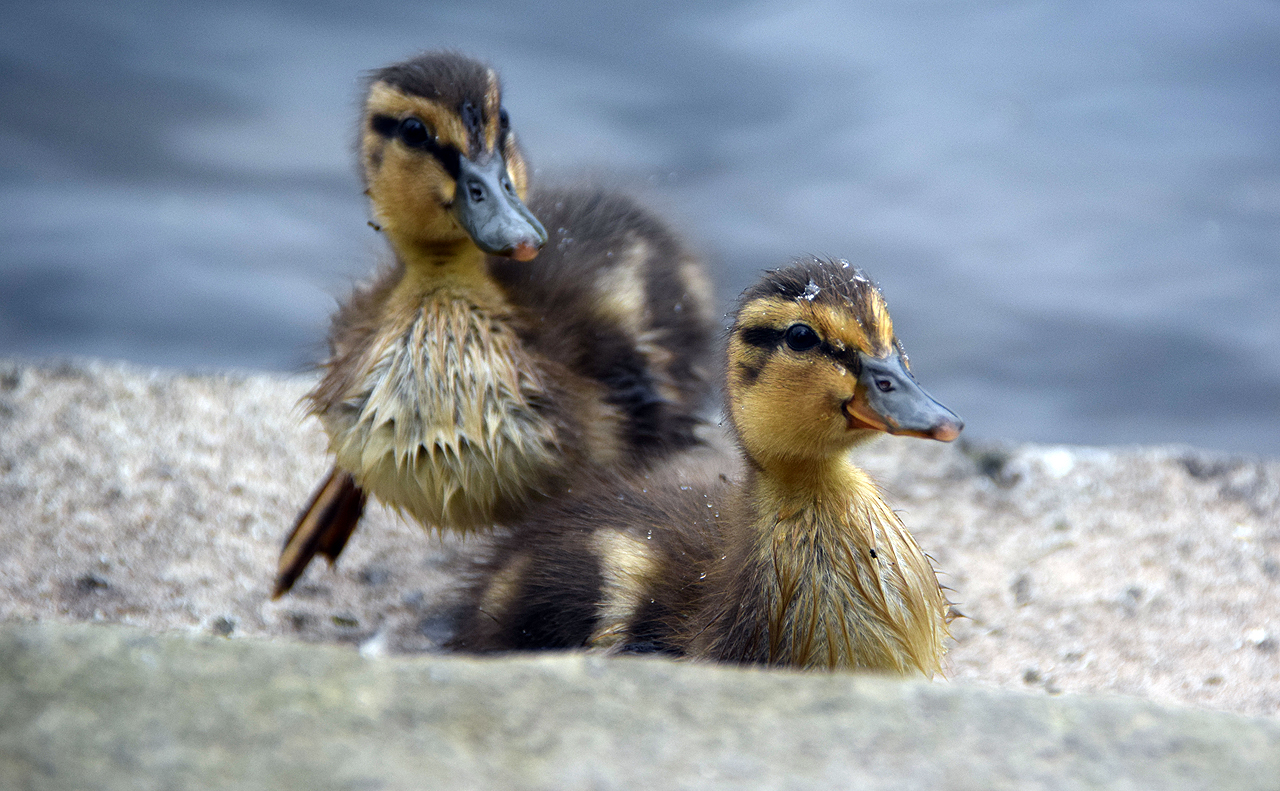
117	708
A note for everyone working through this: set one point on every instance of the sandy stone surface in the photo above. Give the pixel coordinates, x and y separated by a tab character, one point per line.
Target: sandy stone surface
159	500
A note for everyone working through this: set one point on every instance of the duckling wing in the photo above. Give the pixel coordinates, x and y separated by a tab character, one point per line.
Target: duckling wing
615	566
323	527
617	298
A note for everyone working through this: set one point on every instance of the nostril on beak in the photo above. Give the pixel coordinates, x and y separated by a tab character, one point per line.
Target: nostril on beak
476	191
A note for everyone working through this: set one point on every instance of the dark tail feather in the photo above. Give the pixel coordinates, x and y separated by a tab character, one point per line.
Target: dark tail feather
323	528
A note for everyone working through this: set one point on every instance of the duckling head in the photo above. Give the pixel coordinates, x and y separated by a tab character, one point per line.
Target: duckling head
814	367
440	162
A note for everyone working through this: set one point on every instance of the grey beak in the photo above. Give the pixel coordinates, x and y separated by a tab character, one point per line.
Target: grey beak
488	209
888	392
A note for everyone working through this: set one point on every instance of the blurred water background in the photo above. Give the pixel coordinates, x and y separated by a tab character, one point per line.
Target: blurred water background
1073	208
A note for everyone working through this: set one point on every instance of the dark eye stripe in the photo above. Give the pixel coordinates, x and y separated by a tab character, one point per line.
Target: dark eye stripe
444	153
770	338
763	337
385	125
846	357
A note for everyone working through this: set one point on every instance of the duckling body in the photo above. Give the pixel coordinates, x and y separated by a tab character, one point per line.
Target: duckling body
467	381
800	562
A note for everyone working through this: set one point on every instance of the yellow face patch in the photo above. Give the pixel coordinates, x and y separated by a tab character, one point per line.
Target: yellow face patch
792	403
411	192
442	122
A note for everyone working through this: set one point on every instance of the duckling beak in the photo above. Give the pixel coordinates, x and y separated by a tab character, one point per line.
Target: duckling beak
486	206
888	399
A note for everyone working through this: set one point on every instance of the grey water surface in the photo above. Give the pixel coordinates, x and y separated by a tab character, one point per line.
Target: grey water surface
1074	209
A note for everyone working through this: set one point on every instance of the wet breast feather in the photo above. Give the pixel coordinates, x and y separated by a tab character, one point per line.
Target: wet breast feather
448	406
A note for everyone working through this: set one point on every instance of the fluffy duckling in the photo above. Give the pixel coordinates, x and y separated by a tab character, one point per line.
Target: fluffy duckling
800	563
466	381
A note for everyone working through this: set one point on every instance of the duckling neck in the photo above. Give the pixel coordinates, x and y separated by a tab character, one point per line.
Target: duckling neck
455	265
822	574
831	498
809	482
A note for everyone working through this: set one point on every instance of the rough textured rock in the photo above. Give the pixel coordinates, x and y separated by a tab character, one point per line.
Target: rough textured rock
107	707
159	500
1145	571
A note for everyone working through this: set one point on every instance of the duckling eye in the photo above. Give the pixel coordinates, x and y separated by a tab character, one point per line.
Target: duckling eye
801	337
884	385
504	120
413	132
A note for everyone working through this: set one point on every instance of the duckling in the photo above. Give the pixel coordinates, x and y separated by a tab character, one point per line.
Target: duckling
467	381
800	562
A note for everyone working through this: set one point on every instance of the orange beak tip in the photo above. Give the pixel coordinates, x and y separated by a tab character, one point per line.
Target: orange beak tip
525	251
947	432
